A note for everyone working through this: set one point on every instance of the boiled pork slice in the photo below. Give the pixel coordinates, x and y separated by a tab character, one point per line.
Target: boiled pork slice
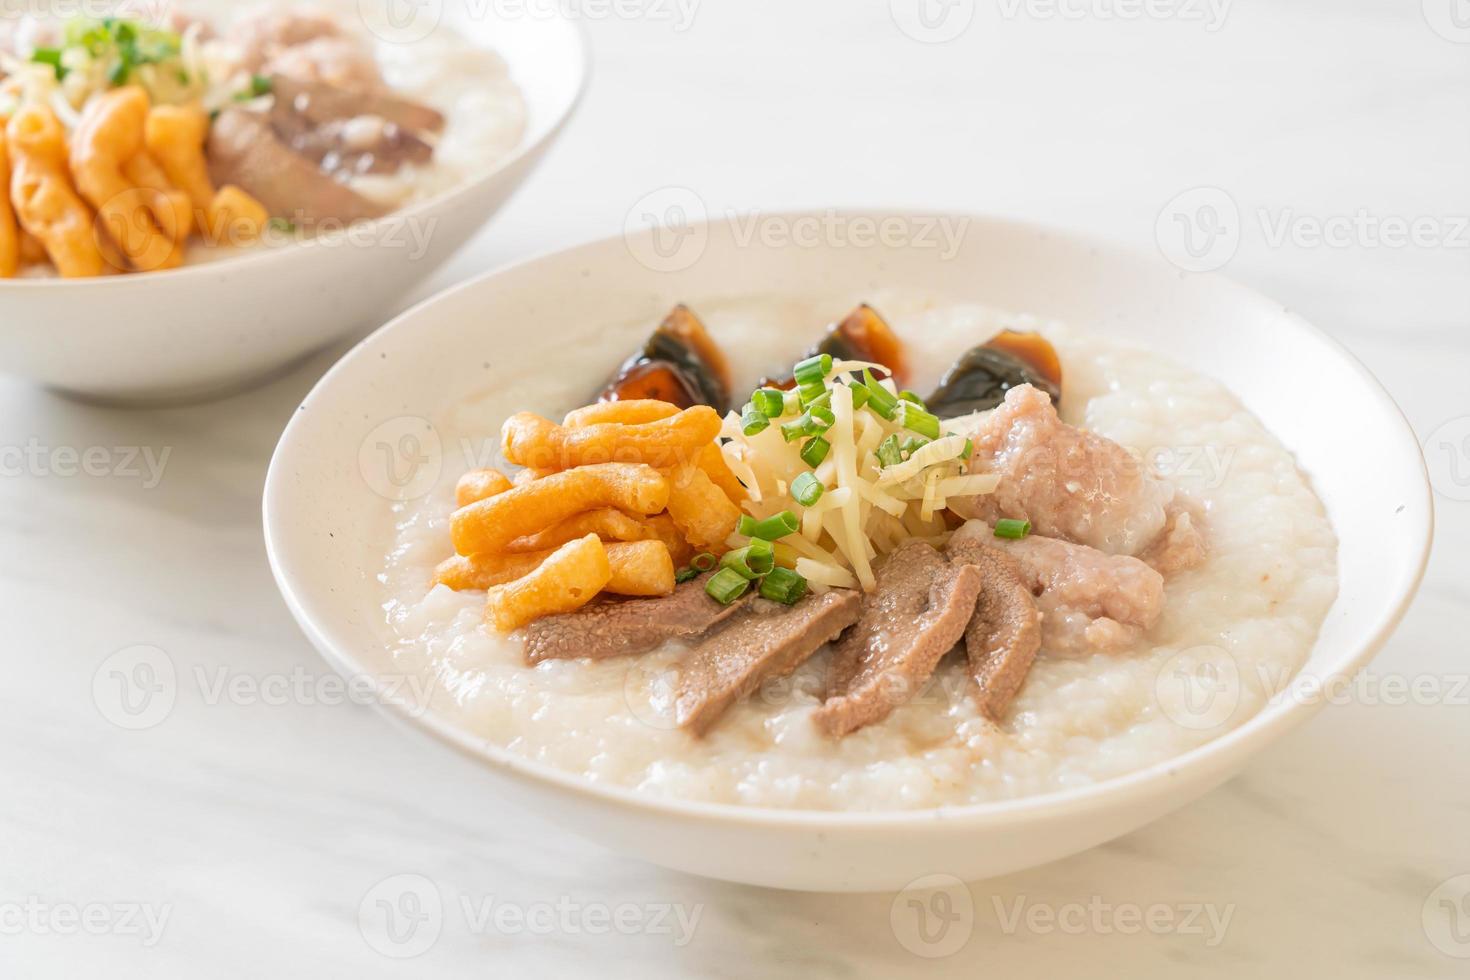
1090	602
1070	483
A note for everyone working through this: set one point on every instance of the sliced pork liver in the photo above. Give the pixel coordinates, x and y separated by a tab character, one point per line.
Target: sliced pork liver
765	640
917	612
245	150
619	627
1004	635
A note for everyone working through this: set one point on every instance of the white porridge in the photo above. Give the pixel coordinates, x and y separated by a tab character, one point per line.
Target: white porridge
1246	618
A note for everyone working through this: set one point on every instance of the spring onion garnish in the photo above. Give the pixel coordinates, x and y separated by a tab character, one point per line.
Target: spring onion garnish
784	586
915	419
969	449
880	399
860	396
798	428
806	489
684	575
726	585
773	528
752	561
912	445
753	422
814	421
770	402
814	395
703	562
813	370
1015	530
815	451
52	57
889	452
909	396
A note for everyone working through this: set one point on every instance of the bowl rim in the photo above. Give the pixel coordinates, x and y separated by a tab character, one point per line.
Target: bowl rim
1266	725
582	41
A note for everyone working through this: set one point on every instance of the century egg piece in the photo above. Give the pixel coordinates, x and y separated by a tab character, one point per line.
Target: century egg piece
862	335
981	377
679	364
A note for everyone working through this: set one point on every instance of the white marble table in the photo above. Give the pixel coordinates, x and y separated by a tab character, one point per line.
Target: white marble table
253	827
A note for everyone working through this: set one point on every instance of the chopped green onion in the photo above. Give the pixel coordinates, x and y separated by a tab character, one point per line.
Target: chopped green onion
52	57
773	528
813	370
725	586
685	574
881	401
806	489
703	562
1015	530
770	402
909	396
915	419
815	451
752	561
784	586
259	85
912	445
798	428
889	452
814	395
860	396
753	422
814	421
969	449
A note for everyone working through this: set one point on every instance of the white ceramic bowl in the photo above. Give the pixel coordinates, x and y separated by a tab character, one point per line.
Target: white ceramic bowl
1347	434
211	327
